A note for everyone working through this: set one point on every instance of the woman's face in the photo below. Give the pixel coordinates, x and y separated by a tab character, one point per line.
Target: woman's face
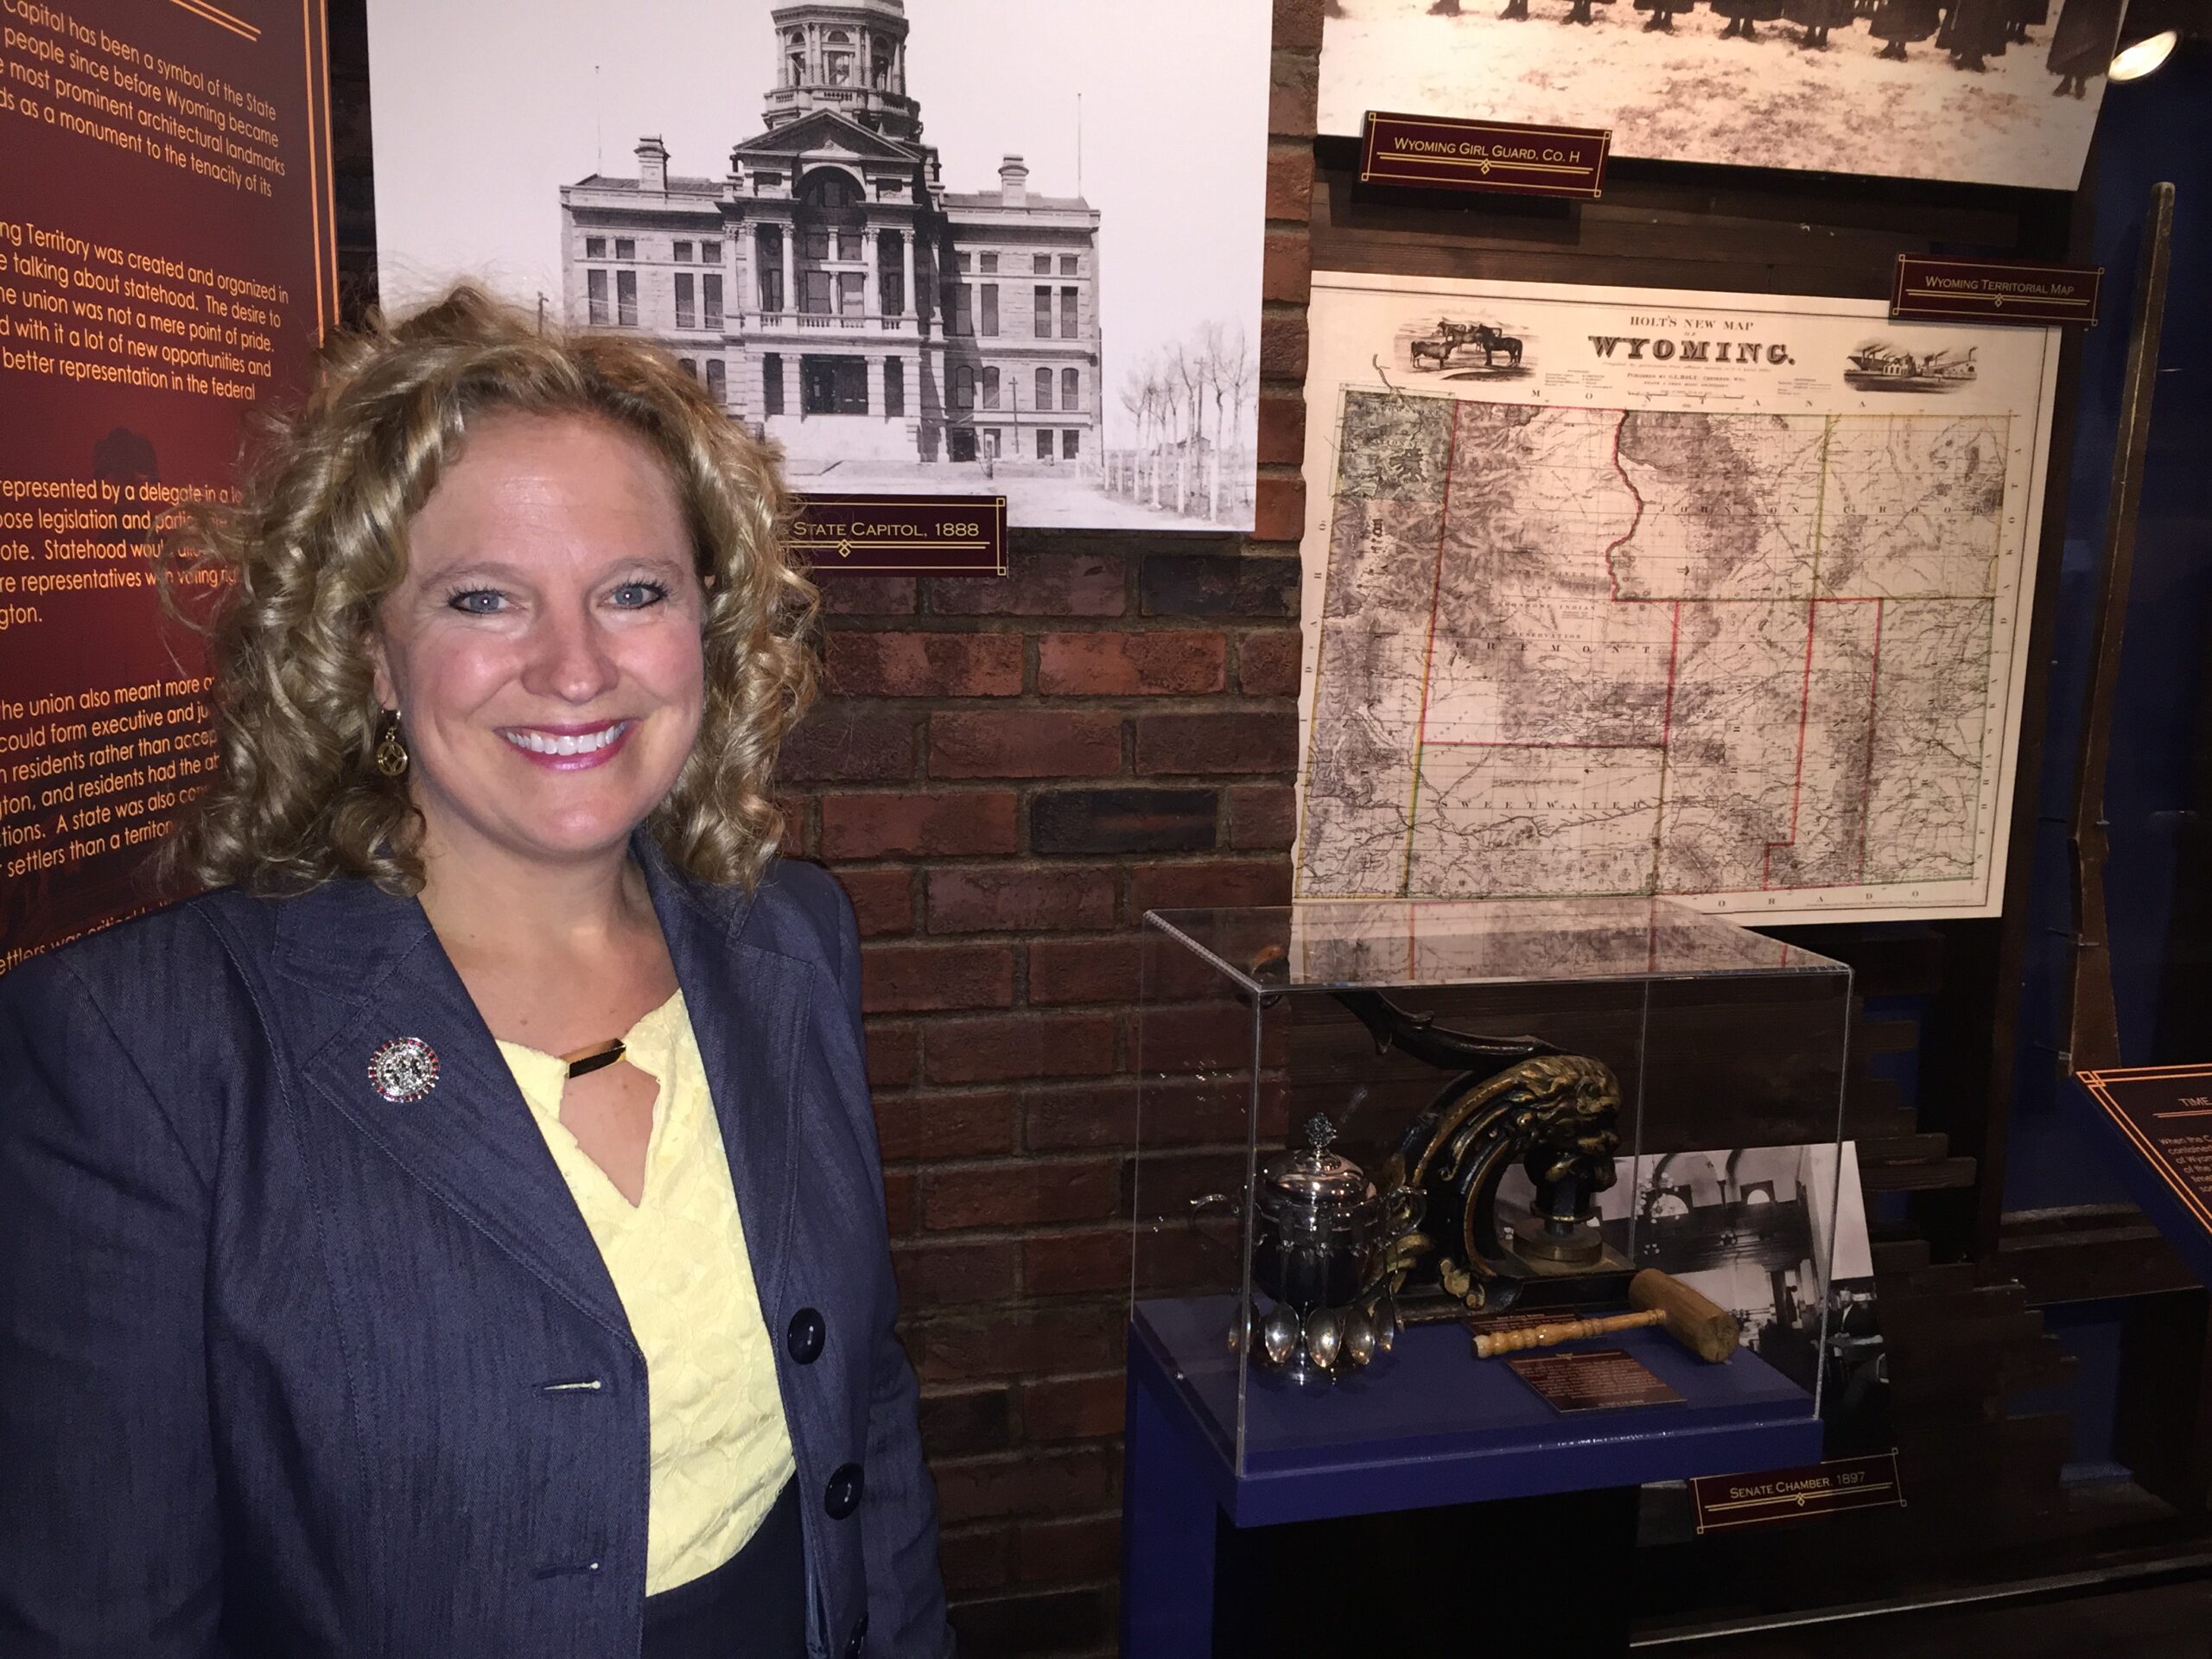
544	651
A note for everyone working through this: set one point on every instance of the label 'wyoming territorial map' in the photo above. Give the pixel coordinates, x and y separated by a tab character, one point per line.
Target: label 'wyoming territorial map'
1721	597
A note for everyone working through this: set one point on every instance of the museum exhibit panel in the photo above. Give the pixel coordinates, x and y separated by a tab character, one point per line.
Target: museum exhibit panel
1533	932
862	248
1391	1156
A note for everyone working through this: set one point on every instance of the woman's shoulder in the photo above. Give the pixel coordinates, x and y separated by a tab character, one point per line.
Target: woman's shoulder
798	909
191	942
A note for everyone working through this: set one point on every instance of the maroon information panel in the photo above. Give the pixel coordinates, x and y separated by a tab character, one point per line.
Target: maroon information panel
1994	290
901	534
2165	1113
1443	153
1727	1503
166	268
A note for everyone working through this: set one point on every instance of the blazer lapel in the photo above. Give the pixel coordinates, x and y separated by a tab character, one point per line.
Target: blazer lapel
372	969
747	1006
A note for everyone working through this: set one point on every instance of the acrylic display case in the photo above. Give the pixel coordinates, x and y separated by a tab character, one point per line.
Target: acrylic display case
1368	1132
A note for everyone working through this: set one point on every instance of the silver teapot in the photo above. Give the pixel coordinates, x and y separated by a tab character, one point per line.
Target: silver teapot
1320	1244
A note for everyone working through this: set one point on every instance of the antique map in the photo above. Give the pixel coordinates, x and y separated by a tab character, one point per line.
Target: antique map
1719	597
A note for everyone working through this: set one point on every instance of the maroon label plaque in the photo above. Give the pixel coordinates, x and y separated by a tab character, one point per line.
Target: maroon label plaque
1994	290
1725	1503
1440	153
2166	1111
901	534
1592	1379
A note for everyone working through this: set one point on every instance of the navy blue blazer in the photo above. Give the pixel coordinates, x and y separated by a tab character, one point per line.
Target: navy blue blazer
290	1369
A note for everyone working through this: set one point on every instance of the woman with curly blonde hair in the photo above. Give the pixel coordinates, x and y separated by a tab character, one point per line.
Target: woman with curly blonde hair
460	1231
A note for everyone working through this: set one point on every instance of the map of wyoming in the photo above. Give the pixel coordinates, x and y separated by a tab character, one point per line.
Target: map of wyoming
1571	650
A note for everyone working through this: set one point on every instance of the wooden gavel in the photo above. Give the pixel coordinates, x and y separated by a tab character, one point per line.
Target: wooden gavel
1707	1330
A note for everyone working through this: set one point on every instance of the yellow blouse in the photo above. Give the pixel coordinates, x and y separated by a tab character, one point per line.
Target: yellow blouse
720	1449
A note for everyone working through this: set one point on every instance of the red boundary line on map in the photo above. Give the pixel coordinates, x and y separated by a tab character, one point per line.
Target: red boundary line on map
1673	653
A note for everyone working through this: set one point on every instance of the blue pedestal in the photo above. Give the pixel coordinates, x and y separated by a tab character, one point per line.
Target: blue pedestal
1428	1425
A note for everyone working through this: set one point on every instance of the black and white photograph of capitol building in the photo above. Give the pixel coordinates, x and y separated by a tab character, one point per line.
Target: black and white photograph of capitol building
907	268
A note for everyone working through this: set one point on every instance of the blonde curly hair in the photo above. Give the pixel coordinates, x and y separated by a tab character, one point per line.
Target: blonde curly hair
301	562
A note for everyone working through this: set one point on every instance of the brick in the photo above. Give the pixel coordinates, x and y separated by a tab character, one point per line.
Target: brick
1093	1115
928	1126
1213	884
1217	743
961	1423
912	978
1084	970
1279	510
971	1347
1062	1264
1123	820
1179	1114
1294	93
901	1200
975	1558
949	1272
1187	1039
1131	665
840	742
1069	1552
1221	584
1060	1621
1290	181
1181	1258
1038	584
1007	1046
883	901
1115	971
890	1055
1286	267
1266	666
1263	816
1298	24
1014	897
1283	344
792	840
935	825
884	595
1283	430
863	663
1169	1184
1076	1407
1027	1483
1025	743
1001	1194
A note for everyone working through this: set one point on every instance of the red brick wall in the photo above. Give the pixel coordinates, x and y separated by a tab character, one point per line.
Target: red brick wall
1006	775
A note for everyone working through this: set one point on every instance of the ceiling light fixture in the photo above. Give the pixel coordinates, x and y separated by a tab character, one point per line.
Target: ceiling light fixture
2138	57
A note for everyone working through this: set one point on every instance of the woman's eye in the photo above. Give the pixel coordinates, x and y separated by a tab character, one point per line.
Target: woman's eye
635	595
477	601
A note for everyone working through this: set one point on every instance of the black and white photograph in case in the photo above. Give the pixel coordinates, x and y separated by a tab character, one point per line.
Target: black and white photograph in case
1003	247
1993	92
1772	1235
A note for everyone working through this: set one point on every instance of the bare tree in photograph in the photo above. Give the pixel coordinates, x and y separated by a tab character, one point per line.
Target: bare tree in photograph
1187	405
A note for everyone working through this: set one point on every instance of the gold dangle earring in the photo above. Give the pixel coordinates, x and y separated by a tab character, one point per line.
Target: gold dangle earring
391	748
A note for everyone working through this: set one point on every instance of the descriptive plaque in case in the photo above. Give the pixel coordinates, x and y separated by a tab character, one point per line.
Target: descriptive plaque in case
1727	1503
1442	153
1593	1379
2165	1113
1994	290
901	534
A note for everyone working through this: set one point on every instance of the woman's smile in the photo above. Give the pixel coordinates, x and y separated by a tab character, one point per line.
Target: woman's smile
571	749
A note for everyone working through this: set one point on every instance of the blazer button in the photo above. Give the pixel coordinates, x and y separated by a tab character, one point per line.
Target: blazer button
842	1496
858	1636
803	1339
